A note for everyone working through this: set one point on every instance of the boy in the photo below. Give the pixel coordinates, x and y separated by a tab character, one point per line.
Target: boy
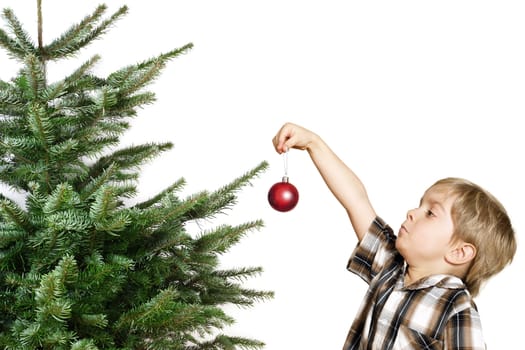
421	282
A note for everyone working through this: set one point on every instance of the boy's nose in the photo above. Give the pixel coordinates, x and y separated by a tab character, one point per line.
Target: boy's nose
410	214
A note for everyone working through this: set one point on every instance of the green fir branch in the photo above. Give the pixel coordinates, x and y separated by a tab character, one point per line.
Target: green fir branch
132	102
166	311
220	291
64	152
51	296
84	344
133	78
53	91
13	213
238	342
73	172
97	182
11	147
9	99
19	46
103	205
35	74
53	309
81	72
224	342
35	201
109	129
222	238
17	177
239	274
128	159
10	256
93	320
63	197
22	147
106	99
97	144
104	214
176	210
245	179
40	125
82	34
10	234
172	189
225	197
101	280
23	39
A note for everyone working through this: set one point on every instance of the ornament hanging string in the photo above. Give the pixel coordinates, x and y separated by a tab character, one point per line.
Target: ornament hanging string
285	161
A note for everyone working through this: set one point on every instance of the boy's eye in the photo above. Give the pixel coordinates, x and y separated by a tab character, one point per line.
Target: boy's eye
430	213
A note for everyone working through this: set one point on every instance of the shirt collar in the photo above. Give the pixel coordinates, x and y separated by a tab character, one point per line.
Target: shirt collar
439	280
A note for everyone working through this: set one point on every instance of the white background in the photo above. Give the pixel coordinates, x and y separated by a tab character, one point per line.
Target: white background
406	92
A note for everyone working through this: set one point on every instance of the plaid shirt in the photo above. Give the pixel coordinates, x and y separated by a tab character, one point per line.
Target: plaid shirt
436	312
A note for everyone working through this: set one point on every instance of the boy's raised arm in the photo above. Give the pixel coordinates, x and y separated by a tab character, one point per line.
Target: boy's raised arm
340	179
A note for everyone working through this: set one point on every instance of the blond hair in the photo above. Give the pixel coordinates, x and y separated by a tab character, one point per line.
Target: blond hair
481	220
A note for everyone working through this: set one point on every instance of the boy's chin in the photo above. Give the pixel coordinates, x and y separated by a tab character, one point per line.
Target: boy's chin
401	248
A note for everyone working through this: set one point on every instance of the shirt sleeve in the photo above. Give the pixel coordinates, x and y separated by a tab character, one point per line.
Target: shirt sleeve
463	331
374	251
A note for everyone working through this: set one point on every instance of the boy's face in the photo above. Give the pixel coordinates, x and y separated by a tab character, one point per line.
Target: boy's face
425	236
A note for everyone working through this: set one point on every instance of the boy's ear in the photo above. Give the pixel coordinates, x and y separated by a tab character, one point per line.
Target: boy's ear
461	253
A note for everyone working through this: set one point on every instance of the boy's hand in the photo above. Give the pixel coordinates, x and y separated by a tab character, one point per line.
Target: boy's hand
292	136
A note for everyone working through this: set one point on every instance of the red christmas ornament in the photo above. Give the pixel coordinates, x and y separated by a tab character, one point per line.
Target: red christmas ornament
283	196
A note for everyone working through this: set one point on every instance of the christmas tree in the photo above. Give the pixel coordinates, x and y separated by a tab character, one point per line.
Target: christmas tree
83	266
